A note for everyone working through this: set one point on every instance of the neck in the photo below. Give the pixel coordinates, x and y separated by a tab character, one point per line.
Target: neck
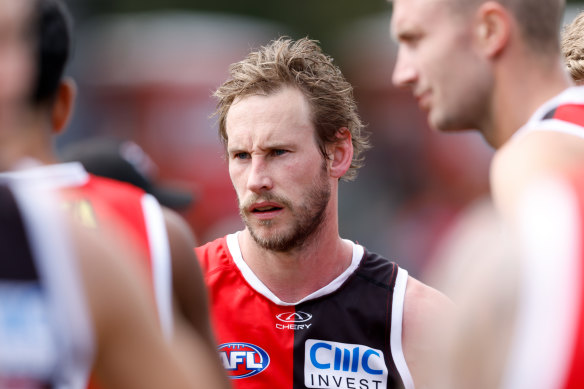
26	137
293	275
520	93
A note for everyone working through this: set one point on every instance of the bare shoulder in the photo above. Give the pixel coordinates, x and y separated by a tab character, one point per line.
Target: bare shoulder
110	294
422	302
193	332
522	160
428	314
423	305
177	227
189	290
182	241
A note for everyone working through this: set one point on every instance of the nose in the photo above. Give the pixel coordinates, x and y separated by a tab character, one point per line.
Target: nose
404	72
259	179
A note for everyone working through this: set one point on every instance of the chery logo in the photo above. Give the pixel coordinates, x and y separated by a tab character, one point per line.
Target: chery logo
294	317
292	320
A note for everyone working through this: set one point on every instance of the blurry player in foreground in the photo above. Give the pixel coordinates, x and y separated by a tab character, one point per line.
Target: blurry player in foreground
62	307
162	239
520	299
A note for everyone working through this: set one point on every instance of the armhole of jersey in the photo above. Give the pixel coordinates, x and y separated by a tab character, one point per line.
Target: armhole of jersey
546	320
397	313
52	250
161	257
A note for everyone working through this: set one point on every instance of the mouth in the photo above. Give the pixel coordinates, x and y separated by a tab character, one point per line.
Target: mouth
423	100
265	209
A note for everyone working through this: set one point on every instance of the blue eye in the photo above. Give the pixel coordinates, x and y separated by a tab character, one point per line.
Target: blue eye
278	152
241	155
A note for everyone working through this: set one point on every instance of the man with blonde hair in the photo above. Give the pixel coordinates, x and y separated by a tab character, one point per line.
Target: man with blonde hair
497	66
294	304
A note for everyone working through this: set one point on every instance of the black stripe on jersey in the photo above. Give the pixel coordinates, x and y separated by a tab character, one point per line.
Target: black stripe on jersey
16	260
550	114
359	312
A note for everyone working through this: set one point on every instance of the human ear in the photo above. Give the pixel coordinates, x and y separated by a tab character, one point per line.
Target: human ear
493	28
63	106
340	154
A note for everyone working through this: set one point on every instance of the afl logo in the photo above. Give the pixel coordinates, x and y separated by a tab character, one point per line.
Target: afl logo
294	317
243	360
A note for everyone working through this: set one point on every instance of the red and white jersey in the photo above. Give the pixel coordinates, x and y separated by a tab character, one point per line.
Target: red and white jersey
345	335
547	350
564	113
134	215
46	336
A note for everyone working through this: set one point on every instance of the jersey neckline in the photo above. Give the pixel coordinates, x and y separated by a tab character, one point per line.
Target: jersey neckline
48	176
261	288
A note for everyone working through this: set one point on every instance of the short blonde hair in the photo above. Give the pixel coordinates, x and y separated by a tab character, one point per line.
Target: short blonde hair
303	65
573	47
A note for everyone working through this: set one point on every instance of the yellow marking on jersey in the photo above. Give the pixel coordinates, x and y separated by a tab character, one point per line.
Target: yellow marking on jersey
83	211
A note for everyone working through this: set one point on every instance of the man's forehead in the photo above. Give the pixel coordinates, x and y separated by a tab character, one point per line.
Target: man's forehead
421	5
407	12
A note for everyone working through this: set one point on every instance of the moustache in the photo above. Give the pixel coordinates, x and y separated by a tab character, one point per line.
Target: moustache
245	205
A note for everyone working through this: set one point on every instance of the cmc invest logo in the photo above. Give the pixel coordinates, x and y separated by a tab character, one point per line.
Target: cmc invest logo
243	360
343	365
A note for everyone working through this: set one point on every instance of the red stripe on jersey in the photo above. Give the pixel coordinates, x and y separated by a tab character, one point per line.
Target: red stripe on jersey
243	318
575	376
115	207
572	113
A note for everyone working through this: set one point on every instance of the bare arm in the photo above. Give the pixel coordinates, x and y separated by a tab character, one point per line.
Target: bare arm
192	321
130	349
518	163
427	316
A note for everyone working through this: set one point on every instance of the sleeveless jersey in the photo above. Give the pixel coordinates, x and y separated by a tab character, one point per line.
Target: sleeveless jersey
99	202
131	213
547	351
548	346
45	331
345	335
563	113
